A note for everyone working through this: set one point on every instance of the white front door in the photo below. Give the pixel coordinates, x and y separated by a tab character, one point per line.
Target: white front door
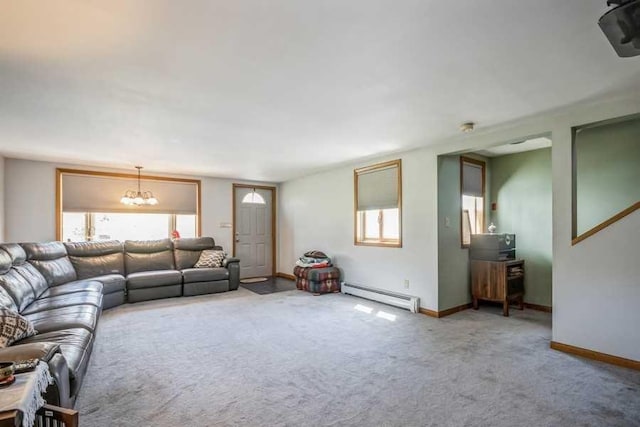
253	233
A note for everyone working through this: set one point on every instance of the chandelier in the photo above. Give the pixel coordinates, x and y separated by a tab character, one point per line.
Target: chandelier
138	198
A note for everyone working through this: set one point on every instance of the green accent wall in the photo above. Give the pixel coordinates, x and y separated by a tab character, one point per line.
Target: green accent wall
607	160
521	186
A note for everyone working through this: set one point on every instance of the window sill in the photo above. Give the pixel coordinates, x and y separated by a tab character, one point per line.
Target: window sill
380	244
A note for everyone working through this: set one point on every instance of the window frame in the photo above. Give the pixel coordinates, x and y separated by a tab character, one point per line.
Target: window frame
483	167
381	242
60	172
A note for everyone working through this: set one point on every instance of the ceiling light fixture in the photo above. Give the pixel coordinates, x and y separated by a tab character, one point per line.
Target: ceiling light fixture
467	127
253	198
138	198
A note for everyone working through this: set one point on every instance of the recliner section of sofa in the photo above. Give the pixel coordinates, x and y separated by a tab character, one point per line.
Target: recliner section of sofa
52	262
101	261
198	281
62	289
151	272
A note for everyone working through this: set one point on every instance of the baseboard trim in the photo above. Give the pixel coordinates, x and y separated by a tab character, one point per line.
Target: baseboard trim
596	355
538	307
447	312
426	311
286	276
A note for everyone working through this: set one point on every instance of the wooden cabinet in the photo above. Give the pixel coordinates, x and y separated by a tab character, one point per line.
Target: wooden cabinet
498	281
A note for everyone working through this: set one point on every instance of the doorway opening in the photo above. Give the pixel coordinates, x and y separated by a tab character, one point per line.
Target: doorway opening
510	187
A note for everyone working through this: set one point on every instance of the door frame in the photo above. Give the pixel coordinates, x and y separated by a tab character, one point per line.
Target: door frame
273	190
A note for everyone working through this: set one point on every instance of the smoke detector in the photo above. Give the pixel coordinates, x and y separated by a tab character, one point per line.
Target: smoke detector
467	127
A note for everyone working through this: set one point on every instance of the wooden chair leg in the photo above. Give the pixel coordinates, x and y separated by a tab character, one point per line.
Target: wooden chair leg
505	308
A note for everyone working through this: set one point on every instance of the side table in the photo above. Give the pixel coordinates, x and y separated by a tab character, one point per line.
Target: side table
498	281
22	405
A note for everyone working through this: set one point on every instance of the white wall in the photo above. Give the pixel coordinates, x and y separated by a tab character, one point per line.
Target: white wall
316	212
596	284
30	201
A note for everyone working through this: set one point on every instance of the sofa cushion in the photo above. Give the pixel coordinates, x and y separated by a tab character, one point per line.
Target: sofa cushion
13	327
67	300
18	288
15	251
91	259
73	287
210	259
77	316
18	258
5	262
6	301
187	250
111	283
51	260
192	275
148	255
36	280
153	279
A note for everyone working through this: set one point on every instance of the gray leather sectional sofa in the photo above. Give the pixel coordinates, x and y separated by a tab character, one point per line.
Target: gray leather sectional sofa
63	287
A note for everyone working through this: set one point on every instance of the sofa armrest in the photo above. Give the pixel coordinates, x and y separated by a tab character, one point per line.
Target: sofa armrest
233	265
37	350
58	393
228	260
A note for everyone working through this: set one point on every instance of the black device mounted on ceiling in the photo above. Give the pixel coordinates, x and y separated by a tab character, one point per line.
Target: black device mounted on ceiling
621	25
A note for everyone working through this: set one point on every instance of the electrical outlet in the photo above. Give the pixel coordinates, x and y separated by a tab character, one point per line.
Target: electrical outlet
447	221
406	283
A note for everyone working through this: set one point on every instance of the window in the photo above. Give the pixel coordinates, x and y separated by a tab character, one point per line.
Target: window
89	207
378	203
185	225
84	226
75	227
472	198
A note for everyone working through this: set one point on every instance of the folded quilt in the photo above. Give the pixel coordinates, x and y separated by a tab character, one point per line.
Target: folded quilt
322	264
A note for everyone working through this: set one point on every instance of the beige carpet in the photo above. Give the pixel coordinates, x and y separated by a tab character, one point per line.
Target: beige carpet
292	359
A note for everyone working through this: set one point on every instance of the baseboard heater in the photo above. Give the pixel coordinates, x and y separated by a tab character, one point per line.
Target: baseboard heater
395	299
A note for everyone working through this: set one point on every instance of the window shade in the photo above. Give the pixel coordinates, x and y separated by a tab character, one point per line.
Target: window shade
472	179
89	193
378	189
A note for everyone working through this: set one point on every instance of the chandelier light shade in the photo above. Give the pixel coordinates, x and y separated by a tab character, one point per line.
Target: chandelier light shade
138	198
254	198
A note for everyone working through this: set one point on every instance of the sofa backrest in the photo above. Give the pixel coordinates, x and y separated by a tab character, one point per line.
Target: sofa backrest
19	263
148	255
51	260
14	285
187	250
93	259
6	300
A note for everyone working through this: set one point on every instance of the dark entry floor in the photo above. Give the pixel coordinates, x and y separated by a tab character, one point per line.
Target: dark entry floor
274	284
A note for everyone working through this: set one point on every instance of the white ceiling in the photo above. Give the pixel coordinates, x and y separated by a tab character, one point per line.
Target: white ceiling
271	90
